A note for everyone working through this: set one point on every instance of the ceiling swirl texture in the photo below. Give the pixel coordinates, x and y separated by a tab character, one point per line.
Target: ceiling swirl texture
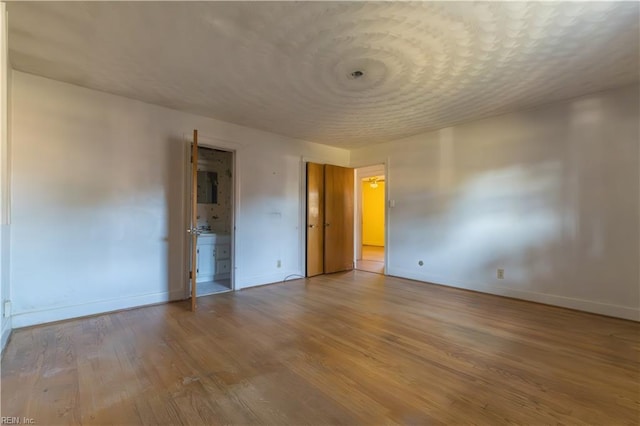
346	74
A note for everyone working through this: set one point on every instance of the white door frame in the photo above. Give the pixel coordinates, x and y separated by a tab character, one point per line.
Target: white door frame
365	171
235	149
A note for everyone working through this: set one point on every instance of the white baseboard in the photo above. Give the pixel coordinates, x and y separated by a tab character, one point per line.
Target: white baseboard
58	313
617	311
6	333
25	319
256	280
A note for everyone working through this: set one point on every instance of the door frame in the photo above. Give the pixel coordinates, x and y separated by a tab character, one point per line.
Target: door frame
370	170
223	145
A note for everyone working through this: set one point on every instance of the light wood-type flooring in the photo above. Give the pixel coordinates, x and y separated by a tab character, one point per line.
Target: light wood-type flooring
349	348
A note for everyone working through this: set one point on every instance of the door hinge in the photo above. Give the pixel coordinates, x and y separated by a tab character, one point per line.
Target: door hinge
190	274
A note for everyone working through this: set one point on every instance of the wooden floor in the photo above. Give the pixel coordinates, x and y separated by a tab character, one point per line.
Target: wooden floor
349	348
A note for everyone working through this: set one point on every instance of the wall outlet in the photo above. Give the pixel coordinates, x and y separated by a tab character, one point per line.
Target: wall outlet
279	264
7	308
500	274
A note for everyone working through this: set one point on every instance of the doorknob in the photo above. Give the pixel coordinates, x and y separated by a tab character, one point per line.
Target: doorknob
194	231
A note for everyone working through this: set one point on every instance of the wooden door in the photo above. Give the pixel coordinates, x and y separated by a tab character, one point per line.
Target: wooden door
338	218
315	219
193	229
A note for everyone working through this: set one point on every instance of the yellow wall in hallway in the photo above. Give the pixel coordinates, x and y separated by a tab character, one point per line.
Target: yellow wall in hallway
373	214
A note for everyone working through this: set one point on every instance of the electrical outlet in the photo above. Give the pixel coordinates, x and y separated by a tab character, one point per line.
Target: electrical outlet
7	308
500	274
279	263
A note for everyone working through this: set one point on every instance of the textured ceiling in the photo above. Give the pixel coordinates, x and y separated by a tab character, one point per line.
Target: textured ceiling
286	67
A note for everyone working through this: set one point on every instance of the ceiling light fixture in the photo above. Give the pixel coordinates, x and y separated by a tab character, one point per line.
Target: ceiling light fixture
373	182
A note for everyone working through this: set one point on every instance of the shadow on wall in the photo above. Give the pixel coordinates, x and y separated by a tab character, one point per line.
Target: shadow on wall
175	203
500	214
549	231
550	196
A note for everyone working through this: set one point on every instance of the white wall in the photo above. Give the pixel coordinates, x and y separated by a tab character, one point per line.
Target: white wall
97	181
550	195
98	188
5	224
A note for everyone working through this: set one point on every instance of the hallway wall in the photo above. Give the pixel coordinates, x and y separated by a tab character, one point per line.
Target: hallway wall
373	214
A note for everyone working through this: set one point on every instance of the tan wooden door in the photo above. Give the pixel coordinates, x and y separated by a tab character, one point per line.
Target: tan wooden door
315	219
338	218
193	228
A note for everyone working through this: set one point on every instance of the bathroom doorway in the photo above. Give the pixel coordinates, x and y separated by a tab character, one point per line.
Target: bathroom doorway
370	233
213	221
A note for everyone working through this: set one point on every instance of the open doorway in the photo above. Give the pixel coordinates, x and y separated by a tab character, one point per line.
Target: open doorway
370	233
214	221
